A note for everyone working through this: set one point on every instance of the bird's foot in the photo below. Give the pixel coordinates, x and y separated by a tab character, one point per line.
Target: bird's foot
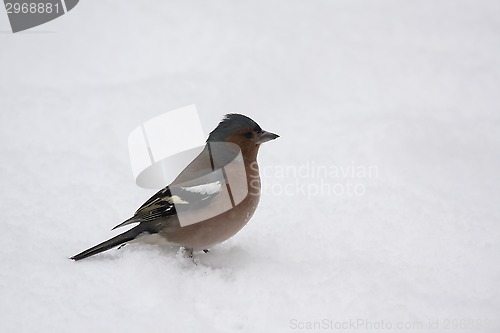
206	251
189	253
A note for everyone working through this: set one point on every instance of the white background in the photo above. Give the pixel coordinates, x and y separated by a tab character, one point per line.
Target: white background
411	87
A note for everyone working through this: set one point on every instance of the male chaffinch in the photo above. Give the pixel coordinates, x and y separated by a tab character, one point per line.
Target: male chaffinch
211	199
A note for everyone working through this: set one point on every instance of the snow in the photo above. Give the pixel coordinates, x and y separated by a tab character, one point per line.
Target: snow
406	88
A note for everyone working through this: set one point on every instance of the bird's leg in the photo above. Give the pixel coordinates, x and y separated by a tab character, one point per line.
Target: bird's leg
189	254
206	251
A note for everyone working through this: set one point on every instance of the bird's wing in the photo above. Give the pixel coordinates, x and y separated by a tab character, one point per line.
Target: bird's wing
164	202
196	187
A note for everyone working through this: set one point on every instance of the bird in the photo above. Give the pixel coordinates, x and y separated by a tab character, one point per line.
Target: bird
211	200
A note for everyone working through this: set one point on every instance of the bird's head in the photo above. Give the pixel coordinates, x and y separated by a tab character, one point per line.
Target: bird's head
242	131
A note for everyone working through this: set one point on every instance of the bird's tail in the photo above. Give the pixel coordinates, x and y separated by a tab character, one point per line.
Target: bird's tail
127	236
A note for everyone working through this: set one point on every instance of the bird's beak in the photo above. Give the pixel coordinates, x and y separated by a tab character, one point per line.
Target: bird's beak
266	136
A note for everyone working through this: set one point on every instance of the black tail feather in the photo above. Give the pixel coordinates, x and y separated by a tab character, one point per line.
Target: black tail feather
127	236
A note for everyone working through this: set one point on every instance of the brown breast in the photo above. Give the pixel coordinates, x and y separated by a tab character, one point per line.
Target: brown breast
244	199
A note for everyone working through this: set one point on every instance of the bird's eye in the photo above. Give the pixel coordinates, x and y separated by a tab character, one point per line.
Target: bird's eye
248	135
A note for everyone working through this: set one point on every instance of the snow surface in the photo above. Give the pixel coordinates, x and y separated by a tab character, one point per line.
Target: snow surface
409	89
